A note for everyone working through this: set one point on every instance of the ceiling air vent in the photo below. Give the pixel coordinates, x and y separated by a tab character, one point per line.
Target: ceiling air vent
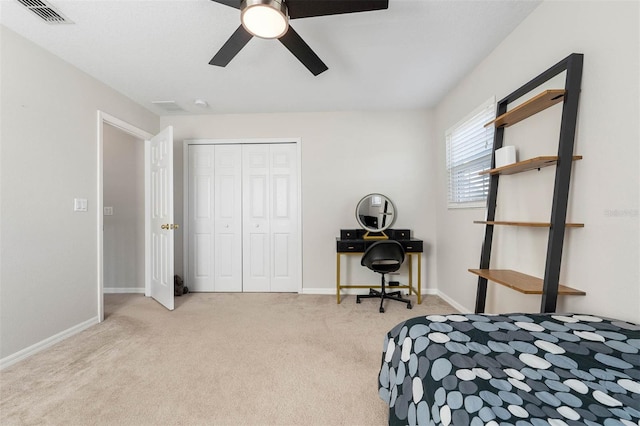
169	106
45	11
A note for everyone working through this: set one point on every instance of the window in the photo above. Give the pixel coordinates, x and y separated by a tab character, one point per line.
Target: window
469	146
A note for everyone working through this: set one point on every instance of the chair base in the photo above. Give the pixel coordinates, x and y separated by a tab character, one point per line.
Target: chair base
382	295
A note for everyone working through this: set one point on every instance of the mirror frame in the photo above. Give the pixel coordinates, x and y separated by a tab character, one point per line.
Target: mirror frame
387	225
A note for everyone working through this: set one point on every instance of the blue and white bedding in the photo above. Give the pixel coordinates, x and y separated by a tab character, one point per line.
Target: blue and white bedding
519	369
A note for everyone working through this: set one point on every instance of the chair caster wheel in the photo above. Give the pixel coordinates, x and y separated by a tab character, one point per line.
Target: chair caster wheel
382	310
409	306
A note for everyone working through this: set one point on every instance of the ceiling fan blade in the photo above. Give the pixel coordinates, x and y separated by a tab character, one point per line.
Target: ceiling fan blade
231	3
231	48
309	8
303	52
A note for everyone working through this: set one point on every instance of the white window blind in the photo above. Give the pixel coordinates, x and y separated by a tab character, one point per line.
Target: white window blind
469	146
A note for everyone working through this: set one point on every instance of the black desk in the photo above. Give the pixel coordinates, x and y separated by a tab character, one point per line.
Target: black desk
413	248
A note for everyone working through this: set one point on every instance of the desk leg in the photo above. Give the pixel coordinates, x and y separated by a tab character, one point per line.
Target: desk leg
419	278
410	256
338	277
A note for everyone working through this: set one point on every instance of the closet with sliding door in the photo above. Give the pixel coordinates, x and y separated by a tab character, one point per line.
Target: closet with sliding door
242	216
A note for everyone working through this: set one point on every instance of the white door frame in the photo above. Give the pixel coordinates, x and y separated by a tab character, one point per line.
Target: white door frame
136	132
185	198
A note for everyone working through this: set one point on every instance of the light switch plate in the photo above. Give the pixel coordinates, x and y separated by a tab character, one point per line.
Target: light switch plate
108	211
80	204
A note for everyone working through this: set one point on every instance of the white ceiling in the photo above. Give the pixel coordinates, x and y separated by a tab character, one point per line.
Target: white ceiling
405	57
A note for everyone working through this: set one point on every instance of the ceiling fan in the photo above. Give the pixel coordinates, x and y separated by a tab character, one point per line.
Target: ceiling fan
270	19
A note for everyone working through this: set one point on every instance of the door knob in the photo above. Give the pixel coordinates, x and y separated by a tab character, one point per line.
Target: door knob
164	226
174	226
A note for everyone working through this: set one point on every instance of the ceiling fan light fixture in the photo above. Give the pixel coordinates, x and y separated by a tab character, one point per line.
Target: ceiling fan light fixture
264	18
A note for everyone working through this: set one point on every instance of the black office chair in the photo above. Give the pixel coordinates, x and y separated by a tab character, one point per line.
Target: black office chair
383	257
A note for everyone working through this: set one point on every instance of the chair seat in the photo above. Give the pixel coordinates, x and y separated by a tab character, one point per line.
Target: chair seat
384	257
385	266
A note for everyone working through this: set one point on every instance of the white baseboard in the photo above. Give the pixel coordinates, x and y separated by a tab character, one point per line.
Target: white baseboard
453	303
327	291
110	290
44	344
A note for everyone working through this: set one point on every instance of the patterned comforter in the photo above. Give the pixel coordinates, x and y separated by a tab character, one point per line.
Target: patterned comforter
520	369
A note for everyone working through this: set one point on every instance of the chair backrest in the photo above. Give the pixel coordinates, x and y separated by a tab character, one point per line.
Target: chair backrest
383	256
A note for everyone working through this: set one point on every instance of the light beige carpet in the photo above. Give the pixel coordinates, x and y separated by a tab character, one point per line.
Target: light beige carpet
217	359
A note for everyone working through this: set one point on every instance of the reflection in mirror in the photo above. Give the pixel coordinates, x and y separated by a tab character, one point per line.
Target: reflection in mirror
375	213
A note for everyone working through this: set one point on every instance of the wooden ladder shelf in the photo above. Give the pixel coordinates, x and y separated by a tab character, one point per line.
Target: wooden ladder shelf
548	286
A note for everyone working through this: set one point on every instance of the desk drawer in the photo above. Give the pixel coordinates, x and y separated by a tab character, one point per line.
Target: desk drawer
411	246
350	246
351	234
400	234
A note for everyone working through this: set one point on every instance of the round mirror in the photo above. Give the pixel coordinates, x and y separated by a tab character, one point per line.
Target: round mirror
375	213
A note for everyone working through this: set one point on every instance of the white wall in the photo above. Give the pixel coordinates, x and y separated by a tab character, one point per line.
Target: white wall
48	262
603	258
344	157
123	171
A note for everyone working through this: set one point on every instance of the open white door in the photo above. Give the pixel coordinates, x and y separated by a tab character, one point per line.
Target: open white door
160	226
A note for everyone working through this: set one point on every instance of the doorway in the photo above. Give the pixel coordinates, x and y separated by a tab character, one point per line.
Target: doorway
123	212
110	126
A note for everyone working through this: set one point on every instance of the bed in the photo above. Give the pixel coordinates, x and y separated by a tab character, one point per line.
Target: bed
519	369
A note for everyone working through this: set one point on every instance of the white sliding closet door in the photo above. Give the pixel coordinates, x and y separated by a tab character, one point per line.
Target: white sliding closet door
256	200
201	186
243	211
270	240
284	218
228	218
215	219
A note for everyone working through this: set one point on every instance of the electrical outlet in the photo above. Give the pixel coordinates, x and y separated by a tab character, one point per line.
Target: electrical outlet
108	211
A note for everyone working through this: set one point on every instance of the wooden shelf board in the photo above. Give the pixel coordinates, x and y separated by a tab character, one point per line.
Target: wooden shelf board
533	106
529	224
530	164
523	283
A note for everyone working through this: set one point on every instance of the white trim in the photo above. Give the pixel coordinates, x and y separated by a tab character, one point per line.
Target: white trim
470	205
147	216
324	291
102	118
453	303
124	126
46	343
185	191
239	141
120	290
299	230
185	211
